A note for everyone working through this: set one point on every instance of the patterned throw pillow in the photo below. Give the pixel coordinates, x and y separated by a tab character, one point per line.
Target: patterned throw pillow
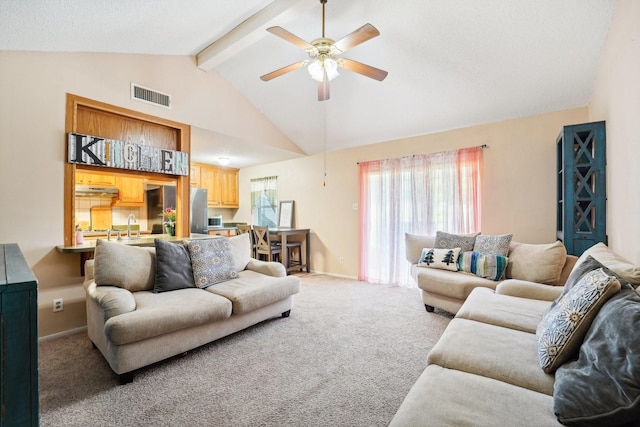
564	326
444	259
212	261
488	266
462	241
498	245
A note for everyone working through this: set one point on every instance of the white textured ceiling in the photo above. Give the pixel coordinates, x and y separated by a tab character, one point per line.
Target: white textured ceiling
451	63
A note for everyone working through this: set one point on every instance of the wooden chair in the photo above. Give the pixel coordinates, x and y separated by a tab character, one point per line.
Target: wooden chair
264	245
294	263
242	229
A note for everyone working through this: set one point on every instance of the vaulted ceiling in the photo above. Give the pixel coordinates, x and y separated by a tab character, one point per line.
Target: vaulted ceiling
451	63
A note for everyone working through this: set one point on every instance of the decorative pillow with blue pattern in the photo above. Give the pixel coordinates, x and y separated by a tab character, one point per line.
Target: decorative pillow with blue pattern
489	266
564	325
212	261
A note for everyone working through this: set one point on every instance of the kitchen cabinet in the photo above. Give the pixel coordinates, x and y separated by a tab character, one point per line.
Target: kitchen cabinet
221	185
18	339
130	191
194	175
94	178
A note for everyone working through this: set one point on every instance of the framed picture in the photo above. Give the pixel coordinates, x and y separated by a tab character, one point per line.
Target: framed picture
285	214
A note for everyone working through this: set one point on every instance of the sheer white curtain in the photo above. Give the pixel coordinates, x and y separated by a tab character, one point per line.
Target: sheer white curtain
264	201
420	194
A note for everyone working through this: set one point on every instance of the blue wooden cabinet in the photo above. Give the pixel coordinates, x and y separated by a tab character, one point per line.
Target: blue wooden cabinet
19	394
581	190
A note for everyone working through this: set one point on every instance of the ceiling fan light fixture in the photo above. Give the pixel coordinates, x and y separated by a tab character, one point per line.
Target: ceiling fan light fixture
318	66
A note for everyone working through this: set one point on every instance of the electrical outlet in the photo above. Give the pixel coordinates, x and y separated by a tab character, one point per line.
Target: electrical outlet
341	260
355	206
58	305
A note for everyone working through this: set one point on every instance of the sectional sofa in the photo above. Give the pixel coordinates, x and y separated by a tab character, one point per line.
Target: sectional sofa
511	357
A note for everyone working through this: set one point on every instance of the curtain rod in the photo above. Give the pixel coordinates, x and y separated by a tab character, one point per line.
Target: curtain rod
413	155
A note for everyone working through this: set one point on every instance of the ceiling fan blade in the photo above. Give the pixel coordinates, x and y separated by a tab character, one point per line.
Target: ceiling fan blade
361	35
364	69
283	70
323	88
290	37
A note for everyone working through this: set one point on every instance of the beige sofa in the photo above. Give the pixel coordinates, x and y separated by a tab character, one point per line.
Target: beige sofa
134	324
546	264
485	368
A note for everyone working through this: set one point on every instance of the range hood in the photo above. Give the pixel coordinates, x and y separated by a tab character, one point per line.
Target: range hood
92	191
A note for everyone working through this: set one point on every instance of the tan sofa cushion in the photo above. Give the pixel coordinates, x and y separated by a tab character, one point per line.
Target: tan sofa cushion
484	305
240	250
454	284
414	243
129	267
541	263
446	397
492	351
253	290
616	263
161	313
531	290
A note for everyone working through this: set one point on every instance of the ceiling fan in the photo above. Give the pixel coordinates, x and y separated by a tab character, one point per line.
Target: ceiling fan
324	58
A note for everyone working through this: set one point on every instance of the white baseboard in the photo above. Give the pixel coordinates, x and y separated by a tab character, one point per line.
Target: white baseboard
342	276
63	334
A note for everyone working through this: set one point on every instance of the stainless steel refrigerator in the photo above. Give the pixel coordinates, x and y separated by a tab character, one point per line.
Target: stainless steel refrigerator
198	212
163	197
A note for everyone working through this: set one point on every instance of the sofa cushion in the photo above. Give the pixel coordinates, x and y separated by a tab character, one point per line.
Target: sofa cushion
240	251
111	299
484	305
448	397
541	263
463	241
489	266
444	259
161	313
491	351
601	387
564	325
252	290
498	244
212	261
128	267
414	243
616	263
457	285
173	267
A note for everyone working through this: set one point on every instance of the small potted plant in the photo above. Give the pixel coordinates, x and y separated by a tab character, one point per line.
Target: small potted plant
169	215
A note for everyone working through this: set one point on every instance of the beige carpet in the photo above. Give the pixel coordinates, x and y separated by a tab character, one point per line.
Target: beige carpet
347	356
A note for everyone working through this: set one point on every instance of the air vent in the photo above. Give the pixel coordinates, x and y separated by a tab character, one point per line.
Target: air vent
150	96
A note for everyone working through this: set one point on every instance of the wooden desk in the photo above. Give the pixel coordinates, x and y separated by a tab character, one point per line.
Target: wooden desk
284	234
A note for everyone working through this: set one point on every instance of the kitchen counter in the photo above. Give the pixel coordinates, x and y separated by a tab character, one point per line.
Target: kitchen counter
87	249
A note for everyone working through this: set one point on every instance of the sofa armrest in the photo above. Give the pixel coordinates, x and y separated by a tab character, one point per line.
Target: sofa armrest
111	299
270	268
531	290
89	270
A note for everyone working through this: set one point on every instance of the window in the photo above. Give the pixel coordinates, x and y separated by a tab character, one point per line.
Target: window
264	201
418	194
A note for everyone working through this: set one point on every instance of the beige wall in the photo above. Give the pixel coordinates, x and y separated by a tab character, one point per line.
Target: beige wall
616	99
33	89
518	194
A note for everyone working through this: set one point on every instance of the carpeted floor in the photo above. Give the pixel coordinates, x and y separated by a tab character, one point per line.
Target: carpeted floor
347	356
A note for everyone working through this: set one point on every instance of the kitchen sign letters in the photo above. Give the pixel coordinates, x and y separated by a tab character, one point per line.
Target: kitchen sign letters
111	153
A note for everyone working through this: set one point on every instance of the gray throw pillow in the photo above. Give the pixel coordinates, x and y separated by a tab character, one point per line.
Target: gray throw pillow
601	387
173	267
496	245
563	327
449	241
212	261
